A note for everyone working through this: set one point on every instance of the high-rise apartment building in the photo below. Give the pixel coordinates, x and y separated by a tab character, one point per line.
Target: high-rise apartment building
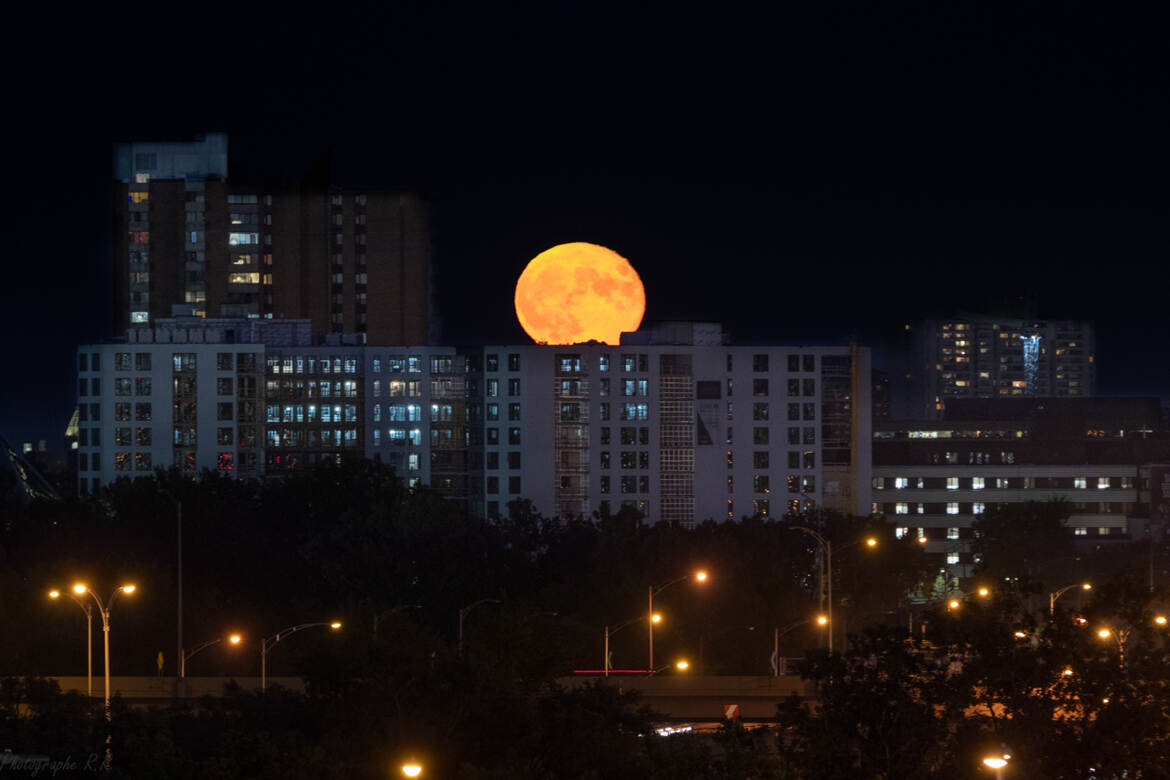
189	240
978	356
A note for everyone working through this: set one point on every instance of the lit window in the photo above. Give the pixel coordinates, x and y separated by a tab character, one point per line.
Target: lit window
900	532
1103	531
953	508
901	482
978	508
977	483
952	533
901	508
952	558
1080	531
952	483
241	239
139	317
1102	483
1080	482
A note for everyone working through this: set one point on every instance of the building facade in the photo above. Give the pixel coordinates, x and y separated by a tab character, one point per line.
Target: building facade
188	240
682	429
682	432
934	478
979	356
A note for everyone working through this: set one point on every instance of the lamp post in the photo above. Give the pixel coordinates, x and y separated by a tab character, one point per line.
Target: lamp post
464	611
412	769
1052	597
234	639
619	627
700	576
268	642
827	572
778	634
104	610
87	608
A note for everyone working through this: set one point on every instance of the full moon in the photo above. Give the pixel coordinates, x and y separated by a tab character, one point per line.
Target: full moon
579	292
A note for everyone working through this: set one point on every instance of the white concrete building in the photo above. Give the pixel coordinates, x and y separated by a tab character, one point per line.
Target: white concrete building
683	432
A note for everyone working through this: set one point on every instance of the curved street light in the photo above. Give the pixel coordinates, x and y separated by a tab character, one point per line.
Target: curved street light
268	642
827	572
700	576
234	639
1052	597
104	610
87	608
655	618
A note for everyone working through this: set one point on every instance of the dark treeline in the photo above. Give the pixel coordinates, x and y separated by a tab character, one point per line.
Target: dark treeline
395	566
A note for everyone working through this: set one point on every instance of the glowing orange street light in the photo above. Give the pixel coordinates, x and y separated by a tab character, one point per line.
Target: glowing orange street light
87	608
104	610
1067	672
233	640
1160	620
953	604
656	618
700	576
412	769
1020	635
1104	633
984	592
1052	597
871	542
822	620
922	540
682	666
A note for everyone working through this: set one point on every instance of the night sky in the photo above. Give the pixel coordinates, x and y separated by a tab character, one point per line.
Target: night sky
817	172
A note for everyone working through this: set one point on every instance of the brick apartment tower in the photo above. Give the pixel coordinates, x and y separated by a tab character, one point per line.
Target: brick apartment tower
188	239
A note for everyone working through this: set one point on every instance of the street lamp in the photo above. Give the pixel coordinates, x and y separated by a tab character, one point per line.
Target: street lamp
104	611
827	571
984	592
87	608
777	633
700	577
682	665
655	618
234	639
412	769
997	763
268	642
463	612
1122	636
1052	597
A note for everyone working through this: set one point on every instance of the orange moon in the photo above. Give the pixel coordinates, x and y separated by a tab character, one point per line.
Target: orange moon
579	292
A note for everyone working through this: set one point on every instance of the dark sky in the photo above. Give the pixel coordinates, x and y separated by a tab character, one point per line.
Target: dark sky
807	173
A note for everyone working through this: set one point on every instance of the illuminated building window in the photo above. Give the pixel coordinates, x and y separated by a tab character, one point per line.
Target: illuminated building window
1080	482
1103	531
952	483
240	239
952	558
978	483
139	317
1102	483
901	482
952	533
901	508
978	508
952	507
